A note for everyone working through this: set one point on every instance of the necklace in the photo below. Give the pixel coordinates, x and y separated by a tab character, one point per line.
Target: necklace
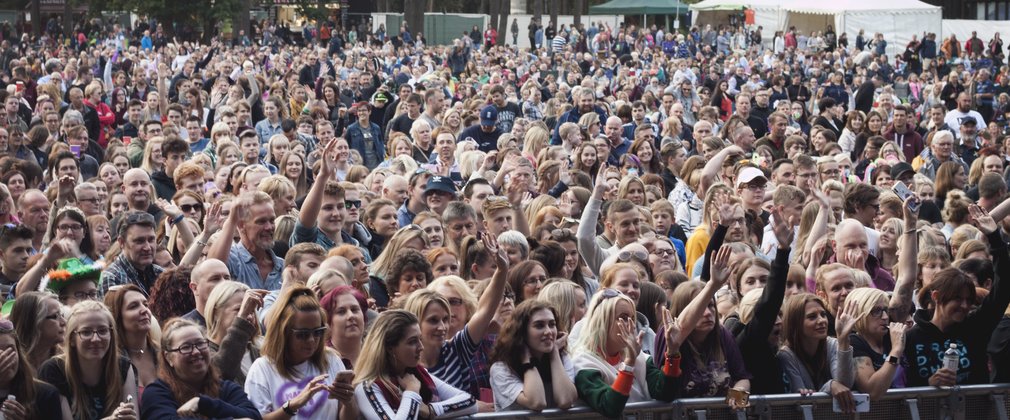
139	351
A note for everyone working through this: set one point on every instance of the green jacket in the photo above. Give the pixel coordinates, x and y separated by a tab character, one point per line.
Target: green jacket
599	394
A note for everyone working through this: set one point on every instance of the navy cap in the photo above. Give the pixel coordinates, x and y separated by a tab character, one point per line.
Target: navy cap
440	183
489	115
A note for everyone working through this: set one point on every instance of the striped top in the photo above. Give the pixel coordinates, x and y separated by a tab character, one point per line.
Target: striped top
454	361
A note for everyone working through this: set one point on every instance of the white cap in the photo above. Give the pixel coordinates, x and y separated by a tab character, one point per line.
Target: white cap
749	174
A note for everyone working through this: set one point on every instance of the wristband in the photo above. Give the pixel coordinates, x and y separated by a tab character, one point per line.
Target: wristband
288	409
176	220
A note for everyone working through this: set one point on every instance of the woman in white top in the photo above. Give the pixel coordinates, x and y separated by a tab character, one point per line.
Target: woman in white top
296	365
393	384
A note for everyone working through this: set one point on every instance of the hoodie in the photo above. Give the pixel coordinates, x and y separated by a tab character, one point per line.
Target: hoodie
163	185
925	343
910	142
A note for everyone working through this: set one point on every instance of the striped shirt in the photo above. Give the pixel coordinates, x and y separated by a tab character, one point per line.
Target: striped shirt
558	43
454	361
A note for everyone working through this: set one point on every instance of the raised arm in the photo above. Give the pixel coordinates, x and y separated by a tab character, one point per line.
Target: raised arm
487	307
770	303
586	234
710	173
220	249
310	208
211	224
820	227
900	307
57	250
517	192
692	314
173	212
163	73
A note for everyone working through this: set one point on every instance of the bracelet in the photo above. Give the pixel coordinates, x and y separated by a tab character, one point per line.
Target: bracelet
909	232
201	242
176	220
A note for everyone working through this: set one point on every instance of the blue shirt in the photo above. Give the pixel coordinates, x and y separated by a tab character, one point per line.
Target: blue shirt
404	216
243	268
265	130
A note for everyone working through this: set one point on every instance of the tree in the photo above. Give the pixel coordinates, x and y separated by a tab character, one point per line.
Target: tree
413	14
555	4
205	14
37	17
503	20
577	13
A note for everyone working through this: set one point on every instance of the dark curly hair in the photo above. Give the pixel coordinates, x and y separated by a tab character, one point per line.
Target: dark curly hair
171	296
409	260
511	343
551	255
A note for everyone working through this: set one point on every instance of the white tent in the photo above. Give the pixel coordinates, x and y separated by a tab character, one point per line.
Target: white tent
898	20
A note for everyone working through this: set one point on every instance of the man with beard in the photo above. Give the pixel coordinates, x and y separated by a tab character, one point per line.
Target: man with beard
586	103
138	189
955	117
252	260
135	265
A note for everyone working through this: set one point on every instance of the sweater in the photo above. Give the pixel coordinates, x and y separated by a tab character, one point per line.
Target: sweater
159	403
925	343
595	379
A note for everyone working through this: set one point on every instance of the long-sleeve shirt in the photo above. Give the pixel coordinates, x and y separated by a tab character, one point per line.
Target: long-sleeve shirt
159	403
597	390
591	252
452	402
758	353
842	368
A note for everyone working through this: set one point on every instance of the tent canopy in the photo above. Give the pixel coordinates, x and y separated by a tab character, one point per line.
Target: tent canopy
639	7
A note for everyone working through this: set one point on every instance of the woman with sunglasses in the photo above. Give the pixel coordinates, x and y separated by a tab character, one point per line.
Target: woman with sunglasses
297	365
531	369
448	357
612	369
94	381
392	380
32	398
188	384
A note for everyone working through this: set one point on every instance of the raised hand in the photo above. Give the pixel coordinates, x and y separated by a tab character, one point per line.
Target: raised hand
169	208
911	217
495	252
213	221
251	302
822	199
329	165
783	228
982	220
671	328
846	319
720	266
600	187
632	340
726	209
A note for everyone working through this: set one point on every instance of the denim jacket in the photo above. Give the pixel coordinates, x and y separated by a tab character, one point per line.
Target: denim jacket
356	140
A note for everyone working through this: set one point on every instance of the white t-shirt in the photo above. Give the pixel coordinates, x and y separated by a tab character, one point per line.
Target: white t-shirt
507	385
268	390
955	116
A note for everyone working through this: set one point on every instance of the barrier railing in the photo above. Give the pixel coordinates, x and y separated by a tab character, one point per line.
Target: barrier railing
973	402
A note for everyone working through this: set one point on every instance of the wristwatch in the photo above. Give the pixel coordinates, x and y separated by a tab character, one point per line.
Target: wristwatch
626	368
288	409
892	360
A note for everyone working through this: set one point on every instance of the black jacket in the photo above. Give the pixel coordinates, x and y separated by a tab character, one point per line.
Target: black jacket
758	354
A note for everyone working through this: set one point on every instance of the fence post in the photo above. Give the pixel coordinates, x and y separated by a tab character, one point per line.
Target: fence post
999	400
913	408
955	403
701	414
807	410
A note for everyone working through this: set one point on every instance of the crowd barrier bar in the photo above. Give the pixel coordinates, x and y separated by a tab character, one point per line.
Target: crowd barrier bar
970	402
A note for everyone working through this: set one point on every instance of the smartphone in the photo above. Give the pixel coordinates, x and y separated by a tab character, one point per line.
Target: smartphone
903	193
345	376
76	150
862	403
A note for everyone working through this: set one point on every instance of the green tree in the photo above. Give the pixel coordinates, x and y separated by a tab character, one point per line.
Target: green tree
204	15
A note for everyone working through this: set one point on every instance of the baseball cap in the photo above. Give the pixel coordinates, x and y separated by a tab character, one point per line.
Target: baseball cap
488	115
440	183
380	97
749	174
900	168
968	121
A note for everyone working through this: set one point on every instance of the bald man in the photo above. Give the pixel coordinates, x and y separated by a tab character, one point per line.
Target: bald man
852	249
395	188
614	130
205	276
138	189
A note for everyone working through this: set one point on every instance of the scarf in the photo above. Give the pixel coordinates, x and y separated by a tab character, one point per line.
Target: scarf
392	391
585	360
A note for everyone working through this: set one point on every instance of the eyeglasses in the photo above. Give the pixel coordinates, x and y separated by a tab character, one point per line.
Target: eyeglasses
306	334
662	253
89	334
532	281
92	295
878	311
68	228
186	208
189	348
348	204
625	256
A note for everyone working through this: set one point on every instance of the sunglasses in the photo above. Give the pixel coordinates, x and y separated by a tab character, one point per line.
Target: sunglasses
348	204
191	207
625	256
305	334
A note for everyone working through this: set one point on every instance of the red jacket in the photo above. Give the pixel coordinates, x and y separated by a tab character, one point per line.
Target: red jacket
106	118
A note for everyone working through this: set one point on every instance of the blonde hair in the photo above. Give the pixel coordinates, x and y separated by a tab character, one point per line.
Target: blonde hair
386	332
457	284
80	404
599	319
394	248
865	299
219	296
561	296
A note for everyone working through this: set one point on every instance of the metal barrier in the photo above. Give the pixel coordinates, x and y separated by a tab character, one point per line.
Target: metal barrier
973	402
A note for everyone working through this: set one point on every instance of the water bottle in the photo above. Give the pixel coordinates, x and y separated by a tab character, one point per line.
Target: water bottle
10	397
951	358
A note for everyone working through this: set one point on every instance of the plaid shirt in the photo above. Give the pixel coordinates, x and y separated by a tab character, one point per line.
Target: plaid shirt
122	271
532	111
480	366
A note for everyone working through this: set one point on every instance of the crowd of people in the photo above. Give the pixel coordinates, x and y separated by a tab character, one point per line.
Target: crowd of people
374	227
